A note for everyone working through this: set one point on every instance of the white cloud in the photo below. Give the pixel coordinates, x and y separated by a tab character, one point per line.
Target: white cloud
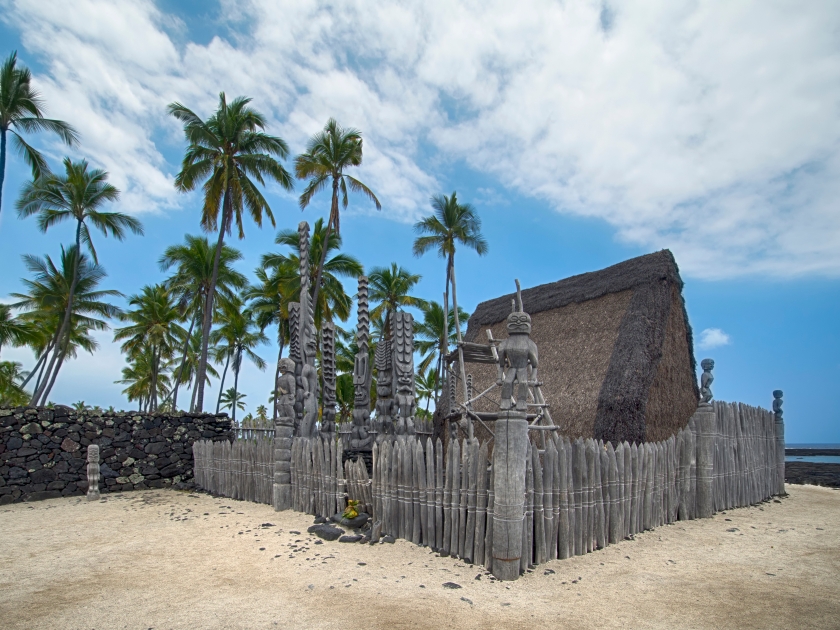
713	338
709	128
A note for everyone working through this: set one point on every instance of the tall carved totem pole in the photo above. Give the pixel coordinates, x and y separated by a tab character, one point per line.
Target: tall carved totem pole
308	373
360	438
402	333
328	372
385	404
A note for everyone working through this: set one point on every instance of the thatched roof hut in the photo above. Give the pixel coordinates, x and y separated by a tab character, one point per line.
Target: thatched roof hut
615	349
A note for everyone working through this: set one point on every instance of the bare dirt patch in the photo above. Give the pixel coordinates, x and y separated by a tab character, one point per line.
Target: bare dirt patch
167	559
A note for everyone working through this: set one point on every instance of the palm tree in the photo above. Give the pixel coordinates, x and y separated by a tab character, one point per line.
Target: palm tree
190	367
77	195
425	383
21	107
229	149
452	223
233	400
333	302
193	264
430	330
390	286
143	381
12	393
344	393
328	154
14	331
153	325
55	291
240	335
269	302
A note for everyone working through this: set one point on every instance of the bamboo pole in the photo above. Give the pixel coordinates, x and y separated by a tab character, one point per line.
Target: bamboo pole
604	492
472	476
446	544
525	560
491	511
549	492
430	536
481	505
455	509
612	487
555	498
439	495
636	509
540	555
579	475
418	491
589	505
462	497
565	537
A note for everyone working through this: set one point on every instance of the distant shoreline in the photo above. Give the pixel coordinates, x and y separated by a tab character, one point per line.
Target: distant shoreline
812	452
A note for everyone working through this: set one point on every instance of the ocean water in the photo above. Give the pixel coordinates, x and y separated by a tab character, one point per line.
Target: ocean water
814	459
811	445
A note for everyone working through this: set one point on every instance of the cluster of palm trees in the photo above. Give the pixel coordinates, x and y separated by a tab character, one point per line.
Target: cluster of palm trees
205	318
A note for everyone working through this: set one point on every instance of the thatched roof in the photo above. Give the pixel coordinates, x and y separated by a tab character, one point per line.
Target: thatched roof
615	345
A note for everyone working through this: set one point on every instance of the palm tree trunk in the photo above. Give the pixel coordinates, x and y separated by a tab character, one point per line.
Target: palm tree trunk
183	364
325	245
155	370
458	333
192	398
236	366
2	162
444	339
208	308
62	343
222	384
48	389
41	363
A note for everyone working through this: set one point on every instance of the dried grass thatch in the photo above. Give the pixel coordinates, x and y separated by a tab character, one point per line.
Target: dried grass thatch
615	346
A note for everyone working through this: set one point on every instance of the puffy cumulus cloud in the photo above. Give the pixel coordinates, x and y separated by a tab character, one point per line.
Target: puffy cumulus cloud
713	338
711	128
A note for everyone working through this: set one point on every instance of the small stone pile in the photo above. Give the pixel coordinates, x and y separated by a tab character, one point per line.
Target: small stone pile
43	450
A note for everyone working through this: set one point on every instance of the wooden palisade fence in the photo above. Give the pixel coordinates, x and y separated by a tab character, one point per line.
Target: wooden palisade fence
243	469
580	495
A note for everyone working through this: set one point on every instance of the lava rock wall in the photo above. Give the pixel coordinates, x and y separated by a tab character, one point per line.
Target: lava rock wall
43	450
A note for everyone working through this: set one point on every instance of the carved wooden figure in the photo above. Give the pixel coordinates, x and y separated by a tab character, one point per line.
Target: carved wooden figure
93	472
328	372
308	382
296	355
360	438
517	356
402	332
385	404
706	380
284	428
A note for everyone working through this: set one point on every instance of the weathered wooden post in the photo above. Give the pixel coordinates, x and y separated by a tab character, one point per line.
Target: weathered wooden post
93	472
704	419
284	429
780	441
509	454
517	366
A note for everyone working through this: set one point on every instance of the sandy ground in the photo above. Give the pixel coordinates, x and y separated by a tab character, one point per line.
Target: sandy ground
166	559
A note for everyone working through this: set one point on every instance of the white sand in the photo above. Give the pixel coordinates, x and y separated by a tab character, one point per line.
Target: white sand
153	559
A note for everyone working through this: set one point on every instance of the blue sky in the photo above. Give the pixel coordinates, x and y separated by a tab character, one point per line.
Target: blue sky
584	133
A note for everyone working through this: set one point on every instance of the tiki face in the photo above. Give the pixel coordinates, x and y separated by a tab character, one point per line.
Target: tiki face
519	324
360	371
707	364
404	382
